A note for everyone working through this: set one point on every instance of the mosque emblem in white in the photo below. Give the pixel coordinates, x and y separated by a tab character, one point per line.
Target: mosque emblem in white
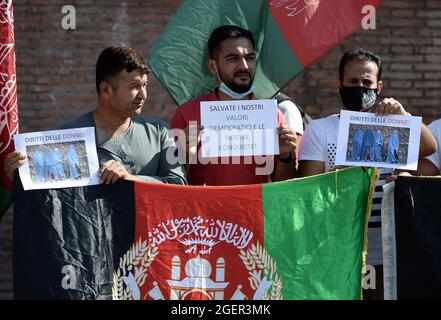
192	274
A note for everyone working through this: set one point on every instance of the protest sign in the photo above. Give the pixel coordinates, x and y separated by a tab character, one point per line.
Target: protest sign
239	128
365	139
58	158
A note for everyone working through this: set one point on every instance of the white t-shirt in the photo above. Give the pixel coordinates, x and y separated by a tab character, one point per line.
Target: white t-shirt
292	115
319	143
435	128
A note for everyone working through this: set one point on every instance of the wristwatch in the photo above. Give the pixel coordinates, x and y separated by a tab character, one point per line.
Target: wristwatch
286	160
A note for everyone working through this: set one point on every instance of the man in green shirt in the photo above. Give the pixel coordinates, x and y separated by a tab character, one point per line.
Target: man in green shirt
130	146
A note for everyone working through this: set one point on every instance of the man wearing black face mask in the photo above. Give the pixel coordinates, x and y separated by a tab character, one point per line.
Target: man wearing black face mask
359	86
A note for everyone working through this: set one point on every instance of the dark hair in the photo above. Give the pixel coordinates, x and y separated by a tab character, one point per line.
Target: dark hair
225	32
360	55
113	60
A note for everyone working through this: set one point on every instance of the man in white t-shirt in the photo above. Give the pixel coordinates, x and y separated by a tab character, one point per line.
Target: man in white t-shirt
359	85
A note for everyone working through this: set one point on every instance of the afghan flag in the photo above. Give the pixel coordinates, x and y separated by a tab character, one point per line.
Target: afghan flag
299	239
290	36
411	228
8	98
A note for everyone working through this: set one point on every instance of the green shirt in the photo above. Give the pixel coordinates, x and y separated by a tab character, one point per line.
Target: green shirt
141	149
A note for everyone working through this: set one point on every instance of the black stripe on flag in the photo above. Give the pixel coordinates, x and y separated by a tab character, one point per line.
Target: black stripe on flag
376	224
81	232
418	237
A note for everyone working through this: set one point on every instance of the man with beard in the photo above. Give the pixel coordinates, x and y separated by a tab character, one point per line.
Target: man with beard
130	146
359	84
232	61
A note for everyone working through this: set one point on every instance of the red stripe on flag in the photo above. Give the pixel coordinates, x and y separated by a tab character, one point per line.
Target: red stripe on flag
314	27
199	233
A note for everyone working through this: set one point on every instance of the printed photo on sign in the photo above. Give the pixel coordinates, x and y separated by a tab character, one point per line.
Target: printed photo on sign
58	158
239	128
378	144
58	161
368	140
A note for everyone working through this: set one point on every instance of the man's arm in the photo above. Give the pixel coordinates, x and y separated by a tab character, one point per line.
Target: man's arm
312	151
427	140
430	166
169	169
113	170
426	168
428	143
310	168
284	170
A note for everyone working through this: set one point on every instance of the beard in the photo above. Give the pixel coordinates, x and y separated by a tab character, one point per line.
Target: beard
238	87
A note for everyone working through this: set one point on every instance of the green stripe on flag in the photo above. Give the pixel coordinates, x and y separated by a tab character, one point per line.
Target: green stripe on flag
314	229
5	200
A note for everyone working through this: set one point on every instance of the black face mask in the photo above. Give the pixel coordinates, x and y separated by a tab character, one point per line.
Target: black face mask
358	98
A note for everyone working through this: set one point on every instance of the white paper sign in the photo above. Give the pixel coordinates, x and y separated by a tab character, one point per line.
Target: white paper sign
239	128
58	158
391	141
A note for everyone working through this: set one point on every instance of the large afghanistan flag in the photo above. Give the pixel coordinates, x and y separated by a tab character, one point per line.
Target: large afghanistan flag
8	98
290	35
299	239
411	223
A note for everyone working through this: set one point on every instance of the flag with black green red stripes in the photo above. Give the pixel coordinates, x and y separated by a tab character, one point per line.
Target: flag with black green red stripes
298	239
